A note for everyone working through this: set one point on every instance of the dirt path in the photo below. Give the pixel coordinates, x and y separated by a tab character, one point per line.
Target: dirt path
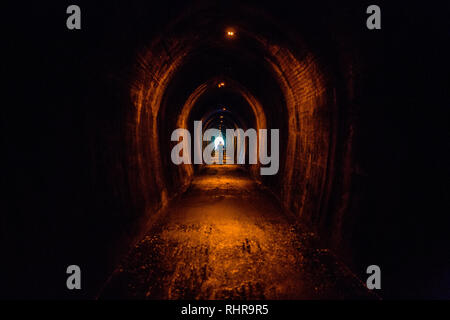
226	238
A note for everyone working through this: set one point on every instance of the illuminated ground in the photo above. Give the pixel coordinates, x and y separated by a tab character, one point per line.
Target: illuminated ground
226	238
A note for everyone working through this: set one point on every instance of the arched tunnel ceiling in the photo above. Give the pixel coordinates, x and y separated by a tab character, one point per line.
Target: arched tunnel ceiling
283	88
247	75
232	99
203	51
360	156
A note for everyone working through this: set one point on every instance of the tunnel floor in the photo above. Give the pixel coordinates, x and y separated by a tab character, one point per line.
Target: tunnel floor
228	238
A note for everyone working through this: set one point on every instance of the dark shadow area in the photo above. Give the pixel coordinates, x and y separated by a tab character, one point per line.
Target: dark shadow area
364	153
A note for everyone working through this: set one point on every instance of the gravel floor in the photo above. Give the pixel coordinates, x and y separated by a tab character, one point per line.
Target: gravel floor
226	238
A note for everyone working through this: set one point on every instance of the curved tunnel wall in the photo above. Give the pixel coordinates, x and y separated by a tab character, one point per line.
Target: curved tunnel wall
305	91
307	174
86	166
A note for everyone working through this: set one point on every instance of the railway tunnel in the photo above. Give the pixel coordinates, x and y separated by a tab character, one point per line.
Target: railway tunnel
144	227
244	72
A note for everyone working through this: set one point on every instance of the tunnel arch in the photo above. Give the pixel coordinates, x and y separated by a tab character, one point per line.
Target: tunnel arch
251	100
95	159
235	120
316	154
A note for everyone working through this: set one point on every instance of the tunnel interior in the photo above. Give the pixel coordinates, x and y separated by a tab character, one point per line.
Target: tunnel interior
280	88
309	71
260	75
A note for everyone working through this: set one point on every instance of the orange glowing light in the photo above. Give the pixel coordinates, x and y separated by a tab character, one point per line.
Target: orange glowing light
224	109
230	33
220	85
221	117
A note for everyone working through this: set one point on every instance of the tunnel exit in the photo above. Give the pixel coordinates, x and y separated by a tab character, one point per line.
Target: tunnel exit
214	151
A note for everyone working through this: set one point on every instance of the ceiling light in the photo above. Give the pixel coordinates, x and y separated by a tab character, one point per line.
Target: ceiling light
230	33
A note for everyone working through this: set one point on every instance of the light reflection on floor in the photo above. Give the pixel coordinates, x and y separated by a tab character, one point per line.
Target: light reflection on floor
227	238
